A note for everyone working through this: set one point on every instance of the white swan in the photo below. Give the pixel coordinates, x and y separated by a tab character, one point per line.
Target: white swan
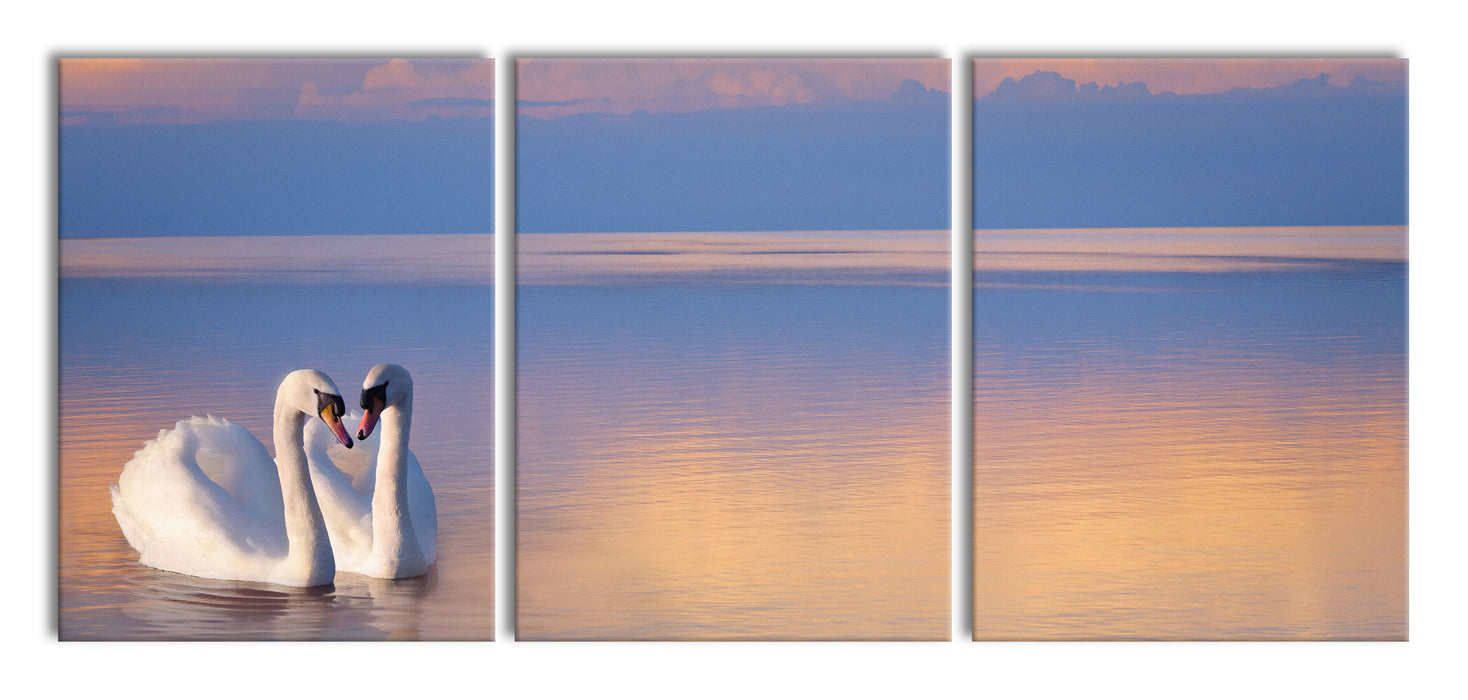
379	506
205	499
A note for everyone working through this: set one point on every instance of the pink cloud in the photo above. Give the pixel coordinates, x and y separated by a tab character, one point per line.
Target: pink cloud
180	91
166	90
1188	75
558	87
396	90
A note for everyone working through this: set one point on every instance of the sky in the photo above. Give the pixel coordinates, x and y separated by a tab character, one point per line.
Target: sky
221	147
1071	143
182	147
627	145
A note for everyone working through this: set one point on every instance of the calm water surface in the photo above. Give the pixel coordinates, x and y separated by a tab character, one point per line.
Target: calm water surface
1190	434
733	436
156	330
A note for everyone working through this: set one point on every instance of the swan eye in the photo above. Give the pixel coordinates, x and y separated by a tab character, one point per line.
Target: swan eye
375	398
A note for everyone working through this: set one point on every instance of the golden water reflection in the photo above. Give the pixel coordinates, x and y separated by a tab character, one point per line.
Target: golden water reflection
763	458
1166	454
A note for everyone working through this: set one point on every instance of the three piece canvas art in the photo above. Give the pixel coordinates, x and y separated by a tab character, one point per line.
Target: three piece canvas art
733	349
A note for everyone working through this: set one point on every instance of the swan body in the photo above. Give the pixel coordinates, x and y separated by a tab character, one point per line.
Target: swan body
379	507
205	499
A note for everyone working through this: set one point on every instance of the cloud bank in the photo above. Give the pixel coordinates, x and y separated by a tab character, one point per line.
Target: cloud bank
550	88
1189	76
396	90
1050	86
197	91
1052	152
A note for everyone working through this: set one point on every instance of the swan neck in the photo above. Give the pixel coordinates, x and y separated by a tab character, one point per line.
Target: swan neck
305	528
392	459
393	538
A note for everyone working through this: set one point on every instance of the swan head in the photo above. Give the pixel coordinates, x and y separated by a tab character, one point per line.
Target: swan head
385	385
312	392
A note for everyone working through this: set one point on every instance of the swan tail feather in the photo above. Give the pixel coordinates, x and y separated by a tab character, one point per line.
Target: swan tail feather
422	509
134	535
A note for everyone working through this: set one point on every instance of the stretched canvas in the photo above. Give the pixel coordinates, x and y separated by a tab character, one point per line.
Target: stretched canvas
732	349
224	223
1190	359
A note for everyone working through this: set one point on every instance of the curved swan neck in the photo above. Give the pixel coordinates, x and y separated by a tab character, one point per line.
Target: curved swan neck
305	528
392	458
394	542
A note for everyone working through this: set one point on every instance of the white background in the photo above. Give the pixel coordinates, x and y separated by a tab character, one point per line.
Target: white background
34	36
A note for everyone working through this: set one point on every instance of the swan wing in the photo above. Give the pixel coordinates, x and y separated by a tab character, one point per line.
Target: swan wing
230	456
180	519
422	509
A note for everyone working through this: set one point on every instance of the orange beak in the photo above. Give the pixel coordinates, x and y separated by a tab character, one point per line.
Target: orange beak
369	419
334	422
